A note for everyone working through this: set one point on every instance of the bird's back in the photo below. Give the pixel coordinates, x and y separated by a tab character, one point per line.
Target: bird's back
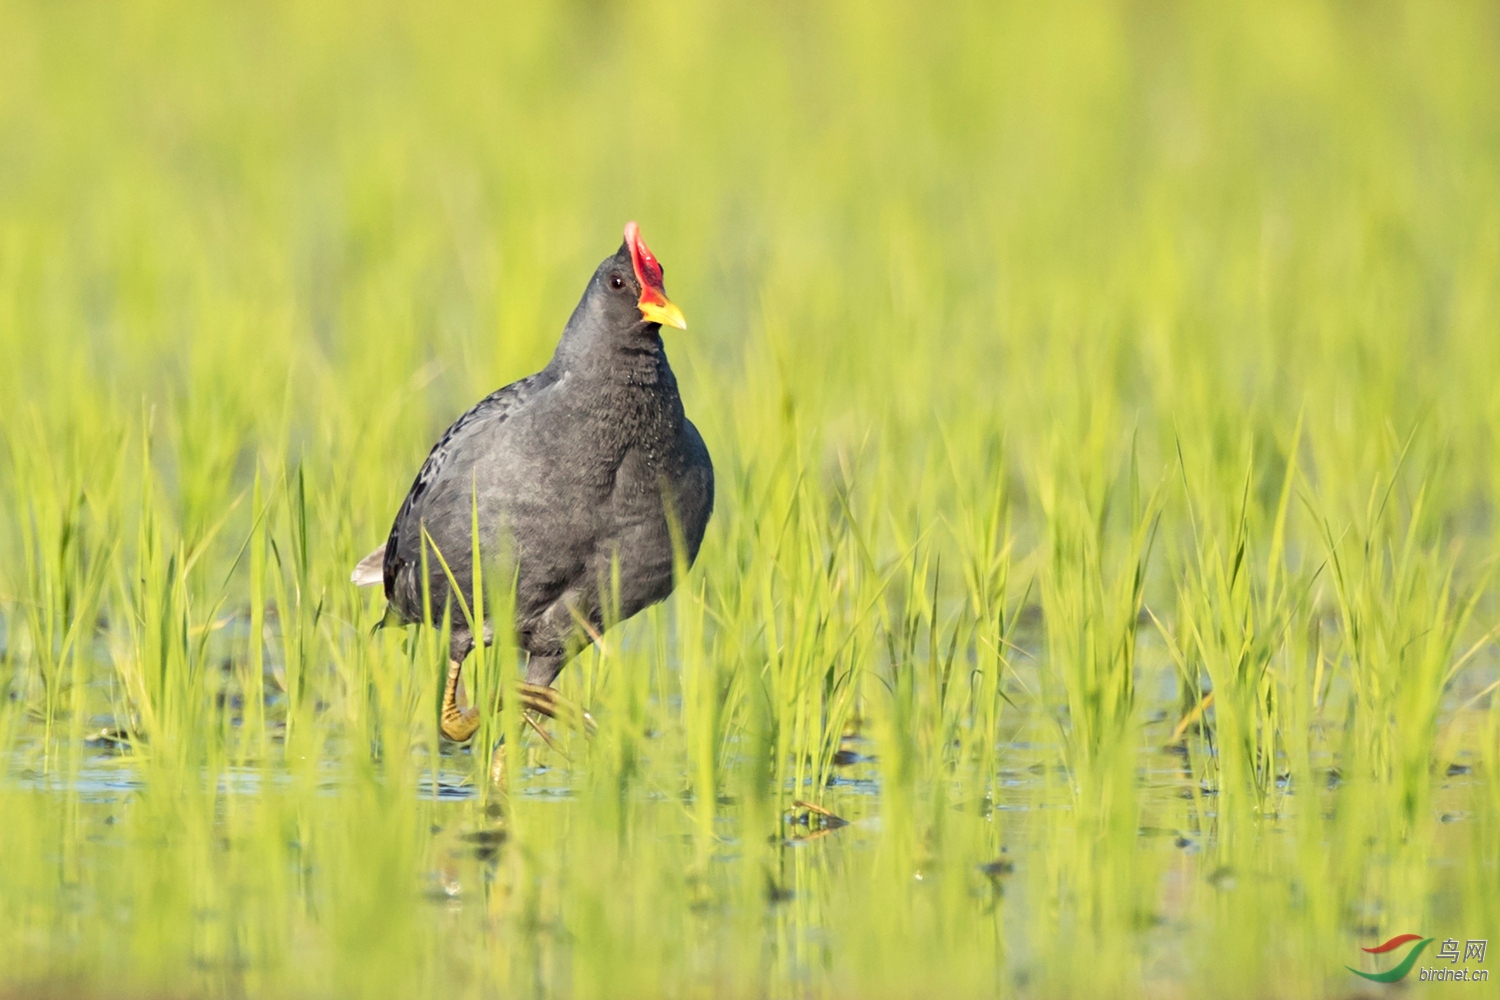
432	502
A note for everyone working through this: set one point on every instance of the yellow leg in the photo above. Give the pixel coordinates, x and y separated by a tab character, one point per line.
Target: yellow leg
459	719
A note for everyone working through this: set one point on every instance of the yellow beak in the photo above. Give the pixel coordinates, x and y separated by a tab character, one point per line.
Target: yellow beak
663	312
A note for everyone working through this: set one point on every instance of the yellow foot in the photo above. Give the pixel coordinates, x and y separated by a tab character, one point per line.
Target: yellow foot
460	725
497	769
459	720
546	701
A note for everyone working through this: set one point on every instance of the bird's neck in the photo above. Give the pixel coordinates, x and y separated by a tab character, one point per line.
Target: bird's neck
627	400
636	363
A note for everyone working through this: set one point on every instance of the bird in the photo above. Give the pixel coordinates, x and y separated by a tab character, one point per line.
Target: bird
586	477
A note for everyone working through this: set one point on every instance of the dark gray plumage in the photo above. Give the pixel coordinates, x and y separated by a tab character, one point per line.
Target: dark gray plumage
570	469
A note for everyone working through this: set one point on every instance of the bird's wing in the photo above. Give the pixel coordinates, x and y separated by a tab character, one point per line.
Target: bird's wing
497	406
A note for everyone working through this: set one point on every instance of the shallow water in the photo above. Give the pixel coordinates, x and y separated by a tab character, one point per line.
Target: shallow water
104	784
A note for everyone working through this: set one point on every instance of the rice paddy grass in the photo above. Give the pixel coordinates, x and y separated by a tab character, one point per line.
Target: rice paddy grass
1100	599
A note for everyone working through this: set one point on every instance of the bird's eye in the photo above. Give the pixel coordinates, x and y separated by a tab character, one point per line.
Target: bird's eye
615	281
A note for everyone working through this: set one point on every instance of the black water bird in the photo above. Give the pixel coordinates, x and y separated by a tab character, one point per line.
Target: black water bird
581	474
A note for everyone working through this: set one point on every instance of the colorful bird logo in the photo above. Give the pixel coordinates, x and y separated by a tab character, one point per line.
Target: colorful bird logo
1403	967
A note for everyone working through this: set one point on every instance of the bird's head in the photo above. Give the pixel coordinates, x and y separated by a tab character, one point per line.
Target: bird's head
631	282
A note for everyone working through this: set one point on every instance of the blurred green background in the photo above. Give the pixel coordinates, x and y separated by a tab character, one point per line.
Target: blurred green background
1061	363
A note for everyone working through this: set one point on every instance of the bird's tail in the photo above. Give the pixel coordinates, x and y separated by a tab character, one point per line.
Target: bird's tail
370	570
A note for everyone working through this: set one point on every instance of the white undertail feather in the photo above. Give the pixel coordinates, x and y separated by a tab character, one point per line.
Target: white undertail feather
371	569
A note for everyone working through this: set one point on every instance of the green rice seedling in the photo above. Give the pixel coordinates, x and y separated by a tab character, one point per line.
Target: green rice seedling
1092	606
1235	622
